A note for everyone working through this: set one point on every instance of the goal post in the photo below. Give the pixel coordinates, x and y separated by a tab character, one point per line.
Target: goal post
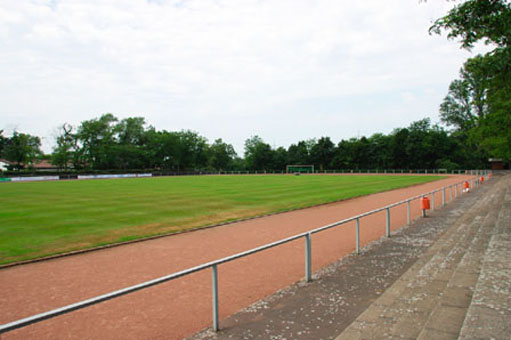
300	168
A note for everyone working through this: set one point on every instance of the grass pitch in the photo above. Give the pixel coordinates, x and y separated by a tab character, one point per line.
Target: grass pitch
44	218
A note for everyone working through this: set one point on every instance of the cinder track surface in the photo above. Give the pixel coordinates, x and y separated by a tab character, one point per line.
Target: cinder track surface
181	307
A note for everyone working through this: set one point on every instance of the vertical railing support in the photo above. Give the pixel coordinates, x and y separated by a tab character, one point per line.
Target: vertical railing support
433	201
308	261
408	215
455	190
357	238
214	285
443	196
387	228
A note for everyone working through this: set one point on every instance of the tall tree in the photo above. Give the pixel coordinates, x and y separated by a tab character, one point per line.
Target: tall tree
465	106
476	20
3	142
258	154
470	22
398	150
130	149
97	139
300	153
221	155
322	153
22	149
66	148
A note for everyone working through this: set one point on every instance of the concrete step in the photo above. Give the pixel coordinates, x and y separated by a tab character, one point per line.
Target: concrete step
430	300
447	317
489	313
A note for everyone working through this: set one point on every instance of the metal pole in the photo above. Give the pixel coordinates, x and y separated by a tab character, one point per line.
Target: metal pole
408	217
456	190
357	247
214	285
308	262
443	196
433	201
387	229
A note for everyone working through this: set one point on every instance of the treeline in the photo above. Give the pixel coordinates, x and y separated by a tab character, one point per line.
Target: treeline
107	143
419	146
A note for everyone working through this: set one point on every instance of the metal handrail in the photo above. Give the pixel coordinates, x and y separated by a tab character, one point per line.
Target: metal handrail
213	264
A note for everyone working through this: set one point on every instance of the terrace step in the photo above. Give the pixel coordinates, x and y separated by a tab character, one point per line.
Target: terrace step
431	299
489	314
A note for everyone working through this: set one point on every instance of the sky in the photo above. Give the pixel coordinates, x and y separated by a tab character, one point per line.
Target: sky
285	70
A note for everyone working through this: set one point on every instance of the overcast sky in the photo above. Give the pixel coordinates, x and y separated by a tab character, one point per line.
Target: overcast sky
286	70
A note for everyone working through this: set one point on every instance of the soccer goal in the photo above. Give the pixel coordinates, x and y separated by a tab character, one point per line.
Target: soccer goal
306	169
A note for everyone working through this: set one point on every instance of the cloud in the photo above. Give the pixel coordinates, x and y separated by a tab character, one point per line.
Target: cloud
224	68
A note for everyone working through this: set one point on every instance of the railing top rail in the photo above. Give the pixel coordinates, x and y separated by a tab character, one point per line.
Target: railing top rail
85	303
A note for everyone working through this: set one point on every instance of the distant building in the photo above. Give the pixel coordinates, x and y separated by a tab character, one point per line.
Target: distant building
43	165
4	164
40	165
496	164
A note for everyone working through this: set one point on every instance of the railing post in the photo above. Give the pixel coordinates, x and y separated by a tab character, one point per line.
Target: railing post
308	262
214	285
408	215
443	196
433	201
357	245
455	190
387	228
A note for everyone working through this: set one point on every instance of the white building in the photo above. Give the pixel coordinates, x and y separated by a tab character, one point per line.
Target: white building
3	165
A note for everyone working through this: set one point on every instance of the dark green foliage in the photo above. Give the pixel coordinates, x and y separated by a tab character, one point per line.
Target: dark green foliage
478	105
258	154
109	144
105	143
474	20
221	155
21	149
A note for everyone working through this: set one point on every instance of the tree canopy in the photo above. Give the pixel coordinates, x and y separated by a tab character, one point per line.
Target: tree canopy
21	149
478	104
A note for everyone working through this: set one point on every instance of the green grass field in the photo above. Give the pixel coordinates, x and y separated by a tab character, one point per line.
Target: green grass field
43	218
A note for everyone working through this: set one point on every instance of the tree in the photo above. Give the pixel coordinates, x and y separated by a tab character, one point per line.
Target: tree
465	105
3	142
280	158
193	150
300	153
379	151
221	155
130	150
398	152
22	149
470	22
64	152
258	154
97	139
475	20
322	153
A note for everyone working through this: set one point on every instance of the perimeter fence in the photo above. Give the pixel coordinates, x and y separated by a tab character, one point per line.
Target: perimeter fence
448	193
